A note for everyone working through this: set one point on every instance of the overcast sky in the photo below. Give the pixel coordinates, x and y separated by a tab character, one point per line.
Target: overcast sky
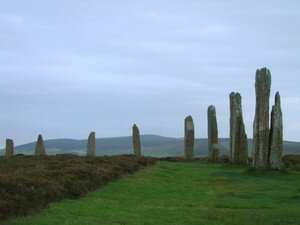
68	67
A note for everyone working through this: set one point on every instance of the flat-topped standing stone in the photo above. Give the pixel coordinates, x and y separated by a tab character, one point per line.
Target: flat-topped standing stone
9	149
261	120
189	138
136	140
213	141
276	135
40	147
91	146
238	138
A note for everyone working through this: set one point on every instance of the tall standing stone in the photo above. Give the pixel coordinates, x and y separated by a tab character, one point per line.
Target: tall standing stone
276	135
91	145
238	138
189	138
136	140
213	141
40	147
9	149
261	120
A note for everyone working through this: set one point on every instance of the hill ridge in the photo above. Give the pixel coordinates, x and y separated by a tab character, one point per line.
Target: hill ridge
152	145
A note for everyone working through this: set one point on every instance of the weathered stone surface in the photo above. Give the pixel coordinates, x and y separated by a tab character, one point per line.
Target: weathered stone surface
189	138
233	125
136	140
242	156
9	149
91	145
40	147
261	120
276	135
238	138
215	151
213	141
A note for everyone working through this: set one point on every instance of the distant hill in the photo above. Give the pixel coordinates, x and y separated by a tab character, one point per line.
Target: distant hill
152	145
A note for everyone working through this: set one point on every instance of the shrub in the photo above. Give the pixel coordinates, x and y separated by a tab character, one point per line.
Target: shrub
28	183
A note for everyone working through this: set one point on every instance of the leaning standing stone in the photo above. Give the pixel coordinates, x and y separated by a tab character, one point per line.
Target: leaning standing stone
189	138
238	138
9	149
213	141
91	146
276	135
136	140
40	147
261	120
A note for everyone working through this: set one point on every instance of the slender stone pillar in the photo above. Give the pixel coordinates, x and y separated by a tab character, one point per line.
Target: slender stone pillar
91	146
213	141
276	135
136	140
189	138
40	147
238	138
233	125
261	120
9	149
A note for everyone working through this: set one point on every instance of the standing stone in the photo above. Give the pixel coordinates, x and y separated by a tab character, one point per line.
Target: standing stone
9	149
276	135
91	146
261	120
233	125
238	138
213	141
189	138
136	140
40	147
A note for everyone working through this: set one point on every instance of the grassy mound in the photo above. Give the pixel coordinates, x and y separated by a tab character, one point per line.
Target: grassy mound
184	193
28	184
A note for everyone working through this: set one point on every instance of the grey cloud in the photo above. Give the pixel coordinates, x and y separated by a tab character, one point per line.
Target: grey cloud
69	67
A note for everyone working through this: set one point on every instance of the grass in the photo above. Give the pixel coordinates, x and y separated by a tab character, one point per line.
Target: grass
28	183
184	193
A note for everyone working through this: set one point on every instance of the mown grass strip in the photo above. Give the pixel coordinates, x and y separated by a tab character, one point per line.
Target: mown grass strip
184	193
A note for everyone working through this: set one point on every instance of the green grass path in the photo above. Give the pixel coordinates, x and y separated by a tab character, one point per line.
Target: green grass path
184	193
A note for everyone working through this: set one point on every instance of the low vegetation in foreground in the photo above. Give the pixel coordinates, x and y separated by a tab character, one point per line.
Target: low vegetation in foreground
180	193
28	184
